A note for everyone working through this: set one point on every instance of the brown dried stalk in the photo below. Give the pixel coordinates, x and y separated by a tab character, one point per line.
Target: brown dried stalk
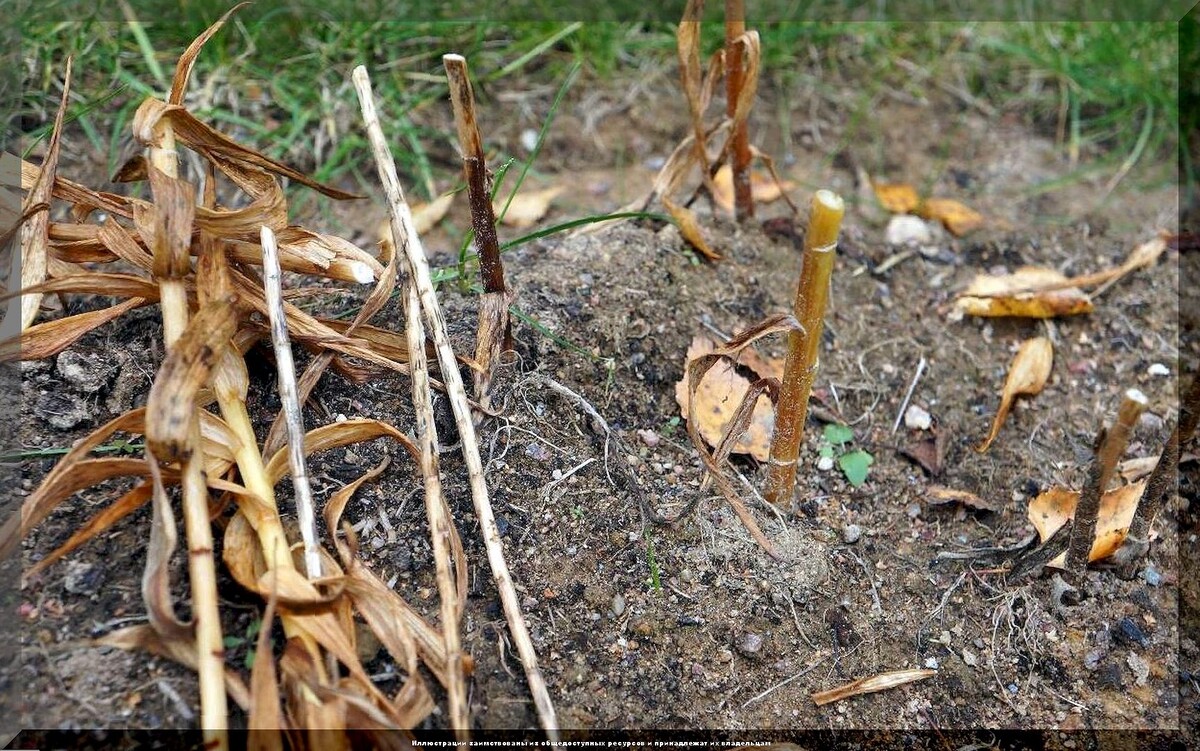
739	138
493	327
800	367
1162	481
406	239
1111	445
440	523
880	682
175	205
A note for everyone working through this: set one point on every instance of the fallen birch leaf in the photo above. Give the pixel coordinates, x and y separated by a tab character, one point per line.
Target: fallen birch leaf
1027	376
898	198
880	682
527	209
938	494
957	217
763	188
689	228
1028	292
720	392
1053	508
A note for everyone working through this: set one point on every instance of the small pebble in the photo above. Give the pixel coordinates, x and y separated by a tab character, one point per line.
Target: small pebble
825	463
1140	668
83	578
1158	369
750	643
916	418
351	458
538	452
529	139
969	658
1130	631
904	229
913	510
618	605
1152	576
649	437
851	533
932	663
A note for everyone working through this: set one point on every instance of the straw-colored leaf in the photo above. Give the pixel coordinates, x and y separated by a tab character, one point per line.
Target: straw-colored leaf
426	216
956	216
763	188
266	721
880	682
1027	376
689	228
1053	508
48	339
720	392
337	435
526	209
898	198
1010	295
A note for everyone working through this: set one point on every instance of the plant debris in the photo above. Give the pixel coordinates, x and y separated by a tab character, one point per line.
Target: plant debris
1027	376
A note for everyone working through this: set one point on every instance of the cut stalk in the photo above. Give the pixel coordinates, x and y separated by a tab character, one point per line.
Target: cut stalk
493	327
406	239
739	139
171	264
1112	444
800	367
436	511
1162	481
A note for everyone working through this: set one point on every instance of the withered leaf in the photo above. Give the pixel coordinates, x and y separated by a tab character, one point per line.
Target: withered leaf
689	228
526	209
898	198
1050	510
880	682
1027	376
721	391
1011	295
928	449
938	494
955	216
426	216
763	188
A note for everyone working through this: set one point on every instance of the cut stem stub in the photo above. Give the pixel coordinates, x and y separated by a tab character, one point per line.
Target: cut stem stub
800	367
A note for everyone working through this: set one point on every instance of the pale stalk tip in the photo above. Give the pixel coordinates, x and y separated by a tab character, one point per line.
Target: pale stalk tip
1136	395
830	200
361	272
453	57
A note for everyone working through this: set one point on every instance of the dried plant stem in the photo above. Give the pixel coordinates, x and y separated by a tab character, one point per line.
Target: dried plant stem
405	237
436	511
1111	445
1161	482
493	327
739	139
210	652
800	367
286	368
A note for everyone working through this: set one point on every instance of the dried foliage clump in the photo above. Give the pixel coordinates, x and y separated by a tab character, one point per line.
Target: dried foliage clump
201	262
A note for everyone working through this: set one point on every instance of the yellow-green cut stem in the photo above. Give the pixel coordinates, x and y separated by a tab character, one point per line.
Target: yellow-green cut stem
800	367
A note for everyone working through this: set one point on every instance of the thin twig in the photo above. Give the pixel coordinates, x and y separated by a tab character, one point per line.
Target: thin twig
813	666
908	395
286	369
405	237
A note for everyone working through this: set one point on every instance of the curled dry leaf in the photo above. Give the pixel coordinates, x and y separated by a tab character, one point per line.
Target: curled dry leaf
1056	506
938	494
1029	292
898	198
527	209
880	682
763	188
1027	376
426	216
955	216
720	392
689	228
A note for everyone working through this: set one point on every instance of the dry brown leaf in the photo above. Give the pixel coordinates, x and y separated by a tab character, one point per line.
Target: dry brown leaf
938	494
144	637
957	217
1027	376
426	216
527	209
1010	295
48	339
720	392
898	198
689	228
763	188
1050	510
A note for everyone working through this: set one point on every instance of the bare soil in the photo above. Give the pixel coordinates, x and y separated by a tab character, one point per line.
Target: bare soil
693	625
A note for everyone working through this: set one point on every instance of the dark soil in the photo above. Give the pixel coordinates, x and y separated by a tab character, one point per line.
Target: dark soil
693	625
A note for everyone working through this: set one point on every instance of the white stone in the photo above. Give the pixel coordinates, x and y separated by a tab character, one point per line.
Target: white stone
825	463
904	229
916	418
1158	369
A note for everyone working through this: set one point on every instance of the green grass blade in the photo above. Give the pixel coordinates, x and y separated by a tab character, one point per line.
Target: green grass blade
541	47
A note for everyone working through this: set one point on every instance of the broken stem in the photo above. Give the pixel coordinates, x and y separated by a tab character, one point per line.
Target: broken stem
800	367
1110	446
439	519
1160	483
171	264
739	138
405	237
